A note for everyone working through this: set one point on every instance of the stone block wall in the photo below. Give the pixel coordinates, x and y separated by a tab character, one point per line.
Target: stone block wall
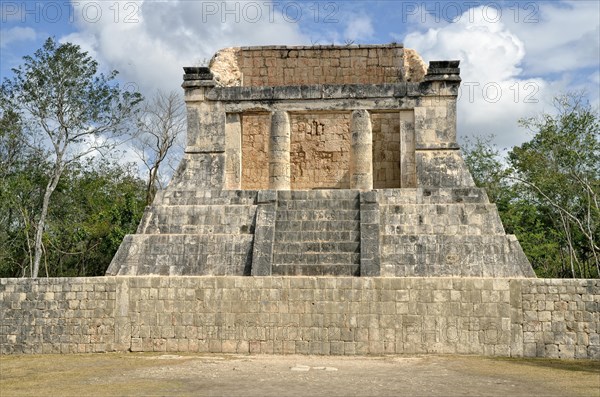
255	150
302	315
59	315
410	141
191	232
386	232
277	66
320	150
386	150
445	232
265	139
560	318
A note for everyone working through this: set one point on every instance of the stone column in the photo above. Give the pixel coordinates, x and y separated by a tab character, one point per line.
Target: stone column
279	152
361	166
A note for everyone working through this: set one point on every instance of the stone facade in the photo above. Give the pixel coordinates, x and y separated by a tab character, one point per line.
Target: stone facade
554	318
352	169
349	169
320	151
285	66
255	151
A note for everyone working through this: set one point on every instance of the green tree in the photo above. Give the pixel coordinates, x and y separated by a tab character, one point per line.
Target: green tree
487	168
519	215
62	101
547	189
22	174
96	204
559	170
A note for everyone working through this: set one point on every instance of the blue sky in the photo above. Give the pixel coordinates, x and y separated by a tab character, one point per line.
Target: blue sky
515	55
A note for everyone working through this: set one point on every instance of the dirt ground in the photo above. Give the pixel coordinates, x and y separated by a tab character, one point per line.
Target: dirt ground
147	374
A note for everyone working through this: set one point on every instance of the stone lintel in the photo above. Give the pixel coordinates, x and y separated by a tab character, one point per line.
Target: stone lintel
196	150
187	84
332	91
266	196
320	47
448	64
197	77
197	73
437	146
444	71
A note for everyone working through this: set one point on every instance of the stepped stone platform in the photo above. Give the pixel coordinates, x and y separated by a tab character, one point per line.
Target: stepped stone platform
332	177
322	161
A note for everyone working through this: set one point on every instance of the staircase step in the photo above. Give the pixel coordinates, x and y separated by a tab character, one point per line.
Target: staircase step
318	215
317	258
306	205
317	226
313	236
318	247
200	219
317	233
441	219
316	270
321	194
433	196
205	197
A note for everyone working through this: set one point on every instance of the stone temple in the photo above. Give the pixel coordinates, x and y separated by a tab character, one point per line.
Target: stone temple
322	160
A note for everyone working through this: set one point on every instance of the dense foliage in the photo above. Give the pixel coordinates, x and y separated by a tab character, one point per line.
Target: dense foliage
64	107
547	191
94	205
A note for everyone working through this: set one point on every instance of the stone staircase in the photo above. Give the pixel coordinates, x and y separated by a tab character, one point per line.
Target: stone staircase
436	232
317	233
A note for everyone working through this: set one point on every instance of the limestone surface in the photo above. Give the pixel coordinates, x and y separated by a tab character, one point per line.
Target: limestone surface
322	160
302	315
225	68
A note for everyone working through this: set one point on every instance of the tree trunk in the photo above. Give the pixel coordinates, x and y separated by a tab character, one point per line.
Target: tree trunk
150	187
52	183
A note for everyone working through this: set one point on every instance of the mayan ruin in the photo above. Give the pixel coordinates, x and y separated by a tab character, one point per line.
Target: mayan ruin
299	198
322	160
322	207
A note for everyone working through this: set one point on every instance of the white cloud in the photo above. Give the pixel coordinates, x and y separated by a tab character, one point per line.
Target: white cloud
504	65
488	51
359	28
558	35
16	34
149	42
